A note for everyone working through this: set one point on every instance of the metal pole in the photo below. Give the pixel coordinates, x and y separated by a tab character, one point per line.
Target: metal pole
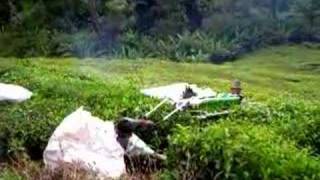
172	113
157	107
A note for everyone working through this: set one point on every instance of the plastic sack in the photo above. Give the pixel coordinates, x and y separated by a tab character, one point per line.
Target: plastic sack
174	92
13	93
87	141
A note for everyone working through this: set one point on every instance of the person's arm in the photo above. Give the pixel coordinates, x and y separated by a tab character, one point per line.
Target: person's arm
137	147
159	156
139	122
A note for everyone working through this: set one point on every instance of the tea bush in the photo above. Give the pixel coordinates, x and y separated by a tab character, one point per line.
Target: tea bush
59	90
276	139
237	150
295	119
7	174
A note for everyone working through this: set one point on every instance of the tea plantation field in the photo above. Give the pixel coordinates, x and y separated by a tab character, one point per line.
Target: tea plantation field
275	134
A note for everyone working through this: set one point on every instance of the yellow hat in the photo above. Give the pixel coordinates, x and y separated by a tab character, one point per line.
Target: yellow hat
236	84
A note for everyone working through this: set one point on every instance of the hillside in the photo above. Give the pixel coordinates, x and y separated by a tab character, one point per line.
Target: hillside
279	138
274	71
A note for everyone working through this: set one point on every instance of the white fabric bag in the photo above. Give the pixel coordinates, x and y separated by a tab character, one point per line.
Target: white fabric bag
86	141
13	93
174	92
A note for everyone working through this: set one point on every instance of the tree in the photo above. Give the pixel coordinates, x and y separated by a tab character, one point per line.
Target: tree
309	11
4	13
94	16
145	12
193	14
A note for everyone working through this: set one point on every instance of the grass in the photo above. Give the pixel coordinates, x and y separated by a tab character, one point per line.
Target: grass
283	70
275	71
285	79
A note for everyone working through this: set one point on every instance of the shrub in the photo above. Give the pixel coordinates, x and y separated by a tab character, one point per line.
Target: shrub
232	150
80	44
187	46
37	42
58	91
294	119
7	174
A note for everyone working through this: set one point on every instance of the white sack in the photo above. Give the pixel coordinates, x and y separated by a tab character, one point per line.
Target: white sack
175	91
88	141
13	93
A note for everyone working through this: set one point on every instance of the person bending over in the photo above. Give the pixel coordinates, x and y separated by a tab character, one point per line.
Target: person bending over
139	157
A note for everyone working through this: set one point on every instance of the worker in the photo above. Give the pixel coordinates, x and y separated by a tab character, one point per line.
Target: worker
236	89
96	145
139	158
130	142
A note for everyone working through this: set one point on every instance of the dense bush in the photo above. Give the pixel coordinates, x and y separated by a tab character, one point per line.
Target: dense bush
58	91
9	175
179	30
233	150
187	46
28	43
278	139
295	120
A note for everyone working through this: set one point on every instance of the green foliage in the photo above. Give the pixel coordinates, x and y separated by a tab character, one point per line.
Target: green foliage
188	46
293	119
233	150
7	174
179	30
58	92
309	11
274	138
29	43
118	7
80	44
